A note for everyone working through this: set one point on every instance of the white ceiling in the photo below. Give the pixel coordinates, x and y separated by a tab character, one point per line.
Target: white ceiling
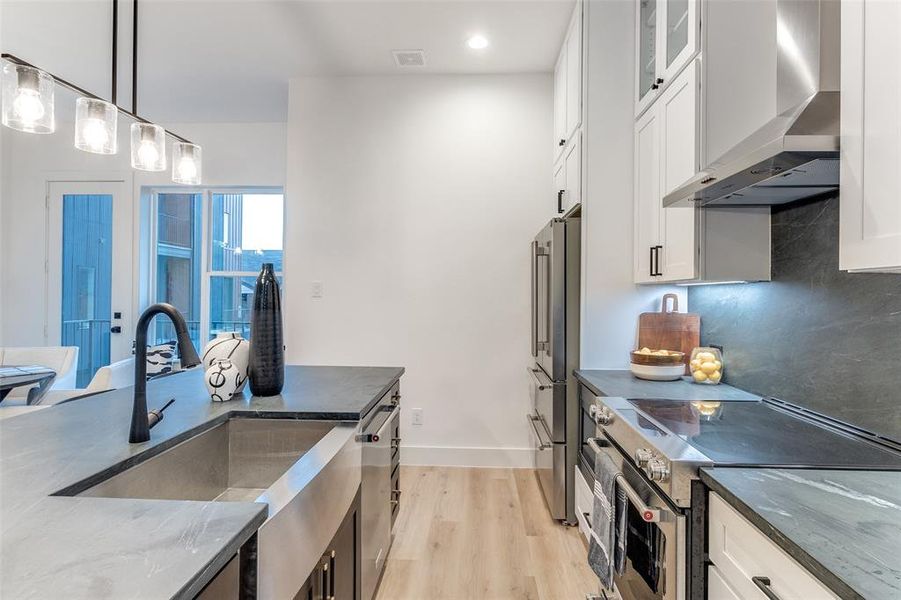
230	60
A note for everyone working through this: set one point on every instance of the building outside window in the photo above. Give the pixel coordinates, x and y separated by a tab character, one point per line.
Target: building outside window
210	246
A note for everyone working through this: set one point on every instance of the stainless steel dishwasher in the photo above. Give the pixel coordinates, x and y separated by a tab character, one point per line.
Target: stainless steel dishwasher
378	435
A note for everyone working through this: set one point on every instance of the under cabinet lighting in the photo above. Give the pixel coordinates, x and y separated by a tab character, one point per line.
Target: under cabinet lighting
96	126
477	42
148	147
186	163
27	99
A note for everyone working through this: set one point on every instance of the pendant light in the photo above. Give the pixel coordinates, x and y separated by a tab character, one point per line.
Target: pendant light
186	163
96	126
27	99
148	147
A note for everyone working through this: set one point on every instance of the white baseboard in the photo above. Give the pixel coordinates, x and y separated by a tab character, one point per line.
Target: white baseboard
441	456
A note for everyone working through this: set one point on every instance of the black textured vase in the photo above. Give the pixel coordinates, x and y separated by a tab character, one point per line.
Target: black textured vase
267	350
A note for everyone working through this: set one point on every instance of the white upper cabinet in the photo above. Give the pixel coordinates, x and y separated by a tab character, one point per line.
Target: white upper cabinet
870	136
666	155
568	117
647	197
568	176
568	84
560	105
574	73
667	38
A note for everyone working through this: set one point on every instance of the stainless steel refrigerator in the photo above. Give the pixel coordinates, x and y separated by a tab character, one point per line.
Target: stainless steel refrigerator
553	420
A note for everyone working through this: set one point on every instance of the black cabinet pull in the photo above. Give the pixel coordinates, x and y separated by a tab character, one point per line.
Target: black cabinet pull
651	261
115	329
332	576
763	584
659	80
560	200
561	143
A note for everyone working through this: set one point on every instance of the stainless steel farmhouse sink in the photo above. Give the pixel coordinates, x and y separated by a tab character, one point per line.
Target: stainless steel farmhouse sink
307	472
234	461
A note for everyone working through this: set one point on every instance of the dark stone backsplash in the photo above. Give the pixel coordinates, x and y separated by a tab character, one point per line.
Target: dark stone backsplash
815	336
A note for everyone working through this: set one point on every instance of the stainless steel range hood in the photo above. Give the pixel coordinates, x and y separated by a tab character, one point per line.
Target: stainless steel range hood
771	104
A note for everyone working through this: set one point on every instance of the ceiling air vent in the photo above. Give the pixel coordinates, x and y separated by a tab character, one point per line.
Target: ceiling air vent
409	58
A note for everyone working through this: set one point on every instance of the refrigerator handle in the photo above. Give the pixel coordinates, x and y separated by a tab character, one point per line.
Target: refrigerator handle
535	298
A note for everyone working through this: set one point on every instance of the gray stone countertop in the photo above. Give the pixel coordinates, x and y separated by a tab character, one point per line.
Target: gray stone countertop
72	547
842	526
622	384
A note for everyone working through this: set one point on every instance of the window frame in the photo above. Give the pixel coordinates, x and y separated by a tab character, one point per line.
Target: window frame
206	243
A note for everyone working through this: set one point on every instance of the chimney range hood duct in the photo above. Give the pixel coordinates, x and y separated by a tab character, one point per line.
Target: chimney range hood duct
771	104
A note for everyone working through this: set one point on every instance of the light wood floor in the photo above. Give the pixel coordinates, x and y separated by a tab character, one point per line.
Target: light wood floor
481	534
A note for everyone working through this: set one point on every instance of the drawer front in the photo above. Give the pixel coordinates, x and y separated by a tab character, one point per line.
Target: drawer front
584	504
717	588
742	552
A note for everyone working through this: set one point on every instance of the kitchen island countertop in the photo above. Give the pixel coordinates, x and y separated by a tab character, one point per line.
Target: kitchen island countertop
842	526
56	546
622	384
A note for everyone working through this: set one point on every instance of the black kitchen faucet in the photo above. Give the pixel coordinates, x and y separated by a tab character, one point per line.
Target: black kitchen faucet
141	420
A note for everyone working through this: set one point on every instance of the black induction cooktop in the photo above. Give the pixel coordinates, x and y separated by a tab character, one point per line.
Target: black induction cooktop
763	433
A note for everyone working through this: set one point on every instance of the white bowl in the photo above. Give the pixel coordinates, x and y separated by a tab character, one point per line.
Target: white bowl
658	372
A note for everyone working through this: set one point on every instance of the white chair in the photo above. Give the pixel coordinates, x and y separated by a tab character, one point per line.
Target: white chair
120	374
62	359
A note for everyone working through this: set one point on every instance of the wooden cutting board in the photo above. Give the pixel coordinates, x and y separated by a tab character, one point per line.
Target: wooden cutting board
669	329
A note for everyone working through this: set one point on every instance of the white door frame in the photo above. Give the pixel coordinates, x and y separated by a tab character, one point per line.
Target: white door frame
122	263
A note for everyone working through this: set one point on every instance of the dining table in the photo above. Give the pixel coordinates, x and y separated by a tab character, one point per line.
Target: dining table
13	376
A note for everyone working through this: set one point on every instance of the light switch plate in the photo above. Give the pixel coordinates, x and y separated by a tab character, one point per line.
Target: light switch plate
316	289
417	416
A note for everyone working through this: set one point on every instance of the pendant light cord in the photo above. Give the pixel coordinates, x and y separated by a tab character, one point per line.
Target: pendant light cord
115	53
134	59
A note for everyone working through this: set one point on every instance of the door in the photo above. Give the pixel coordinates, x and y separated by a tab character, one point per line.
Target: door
549	300
574	73
871	147
647	197
646	54
560	103
677	112
89	272
376	496
572	174
678	36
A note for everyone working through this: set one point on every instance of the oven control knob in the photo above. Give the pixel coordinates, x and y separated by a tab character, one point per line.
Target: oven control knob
642	456
657	469
603	416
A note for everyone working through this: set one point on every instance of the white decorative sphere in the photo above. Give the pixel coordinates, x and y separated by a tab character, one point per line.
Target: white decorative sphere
231	347
224	380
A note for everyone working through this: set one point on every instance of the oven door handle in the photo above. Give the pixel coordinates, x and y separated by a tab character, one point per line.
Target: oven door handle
648	514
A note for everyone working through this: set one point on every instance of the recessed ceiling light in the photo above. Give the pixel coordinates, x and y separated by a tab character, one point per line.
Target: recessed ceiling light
477	42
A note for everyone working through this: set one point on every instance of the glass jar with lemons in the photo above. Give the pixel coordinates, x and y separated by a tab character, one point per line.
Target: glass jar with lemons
706	365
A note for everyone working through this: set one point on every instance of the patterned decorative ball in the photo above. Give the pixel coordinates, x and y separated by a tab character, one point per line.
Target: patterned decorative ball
223	380
231	347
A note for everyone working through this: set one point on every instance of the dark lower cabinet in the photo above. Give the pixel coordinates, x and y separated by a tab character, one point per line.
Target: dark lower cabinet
337	575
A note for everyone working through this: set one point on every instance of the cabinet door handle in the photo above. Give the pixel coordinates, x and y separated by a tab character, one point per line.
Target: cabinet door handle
561	143
657	272
763	584
651	261
560	200
332	576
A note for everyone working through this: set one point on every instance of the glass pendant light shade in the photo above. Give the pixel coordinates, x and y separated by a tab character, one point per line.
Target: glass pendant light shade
96	126
148	147
27	99
186	163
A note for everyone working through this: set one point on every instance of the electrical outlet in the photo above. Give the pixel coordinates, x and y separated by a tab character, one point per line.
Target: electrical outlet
417	416
316	289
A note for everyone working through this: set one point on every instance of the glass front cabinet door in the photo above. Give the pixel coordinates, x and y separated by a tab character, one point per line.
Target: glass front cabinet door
667	39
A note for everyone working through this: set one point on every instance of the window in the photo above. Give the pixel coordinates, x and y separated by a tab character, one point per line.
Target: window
210	246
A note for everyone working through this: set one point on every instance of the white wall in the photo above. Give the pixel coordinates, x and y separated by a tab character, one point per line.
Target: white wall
413	200
611	302
234	154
